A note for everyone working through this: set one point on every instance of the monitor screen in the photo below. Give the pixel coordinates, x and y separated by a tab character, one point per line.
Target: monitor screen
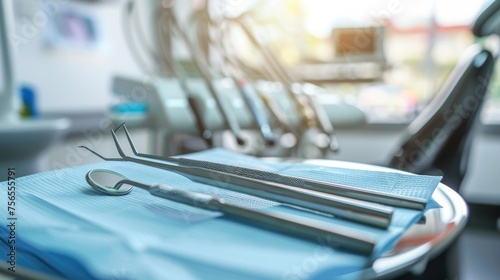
356	41
359	44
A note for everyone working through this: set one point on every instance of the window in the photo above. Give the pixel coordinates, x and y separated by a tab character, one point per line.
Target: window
420	43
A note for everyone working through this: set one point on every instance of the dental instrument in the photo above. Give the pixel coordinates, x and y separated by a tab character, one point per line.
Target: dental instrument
229	120
337	236
303	183
367	213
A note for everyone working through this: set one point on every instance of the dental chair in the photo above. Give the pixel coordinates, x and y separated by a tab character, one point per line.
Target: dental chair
438	141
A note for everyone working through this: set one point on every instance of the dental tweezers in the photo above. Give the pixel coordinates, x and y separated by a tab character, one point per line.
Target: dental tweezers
309	184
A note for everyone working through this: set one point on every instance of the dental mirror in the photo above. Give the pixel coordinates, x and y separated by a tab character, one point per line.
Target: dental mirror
111	183
108	182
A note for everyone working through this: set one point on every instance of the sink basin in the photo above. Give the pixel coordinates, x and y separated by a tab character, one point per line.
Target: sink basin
23	141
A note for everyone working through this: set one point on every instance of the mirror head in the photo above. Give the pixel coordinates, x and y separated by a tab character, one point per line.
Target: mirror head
108	182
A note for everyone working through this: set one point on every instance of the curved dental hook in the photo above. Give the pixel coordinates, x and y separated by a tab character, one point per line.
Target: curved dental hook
100	156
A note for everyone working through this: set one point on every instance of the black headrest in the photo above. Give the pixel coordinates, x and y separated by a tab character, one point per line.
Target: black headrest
488	21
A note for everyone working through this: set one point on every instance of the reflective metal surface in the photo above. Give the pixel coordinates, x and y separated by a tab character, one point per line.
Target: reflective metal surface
422	241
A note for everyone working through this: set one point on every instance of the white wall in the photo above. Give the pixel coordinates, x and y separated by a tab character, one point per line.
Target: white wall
71	80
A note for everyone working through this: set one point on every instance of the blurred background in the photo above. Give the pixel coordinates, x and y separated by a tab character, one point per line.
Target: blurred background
68	54
370	66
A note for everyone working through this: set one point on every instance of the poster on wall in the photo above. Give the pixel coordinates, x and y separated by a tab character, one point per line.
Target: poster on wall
75	28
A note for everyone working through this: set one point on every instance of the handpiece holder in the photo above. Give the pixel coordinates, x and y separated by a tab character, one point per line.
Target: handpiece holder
168	108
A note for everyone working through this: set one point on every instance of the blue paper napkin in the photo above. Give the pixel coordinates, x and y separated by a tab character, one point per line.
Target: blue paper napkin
67	229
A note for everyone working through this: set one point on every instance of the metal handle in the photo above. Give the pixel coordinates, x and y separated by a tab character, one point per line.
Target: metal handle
334	236
187	197
355	210
319	186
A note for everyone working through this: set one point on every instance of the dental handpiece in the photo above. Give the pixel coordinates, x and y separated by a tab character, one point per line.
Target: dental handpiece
312	114
257	110
278	114
322	121
230	121
204	132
